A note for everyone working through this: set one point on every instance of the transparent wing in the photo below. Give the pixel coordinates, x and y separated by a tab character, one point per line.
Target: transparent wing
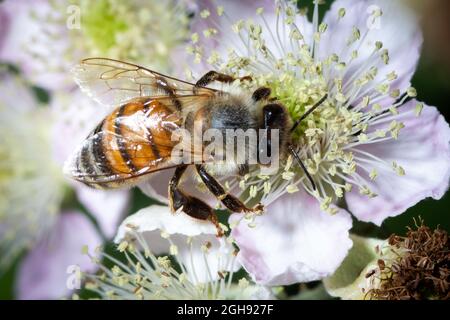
112	82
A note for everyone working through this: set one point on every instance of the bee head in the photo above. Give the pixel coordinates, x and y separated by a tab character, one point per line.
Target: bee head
276	124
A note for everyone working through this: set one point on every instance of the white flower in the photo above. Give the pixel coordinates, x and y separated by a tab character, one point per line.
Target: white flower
46	38
30	181
370	142
38	208
170	256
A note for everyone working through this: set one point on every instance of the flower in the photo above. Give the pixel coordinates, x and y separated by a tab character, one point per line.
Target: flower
46	38
414	267
370	143
170	257
38	208
27	210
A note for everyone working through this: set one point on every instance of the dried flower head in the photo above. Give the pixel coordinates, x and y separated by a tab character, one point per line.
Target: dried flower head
416	267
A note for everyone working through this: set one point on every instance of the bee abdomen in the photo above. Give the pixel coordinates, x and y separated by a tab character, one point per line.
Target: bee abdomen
130	141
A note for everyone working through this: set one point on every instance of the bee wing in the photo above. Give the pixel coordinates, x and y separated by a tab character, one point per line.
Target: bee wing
112	82
134	140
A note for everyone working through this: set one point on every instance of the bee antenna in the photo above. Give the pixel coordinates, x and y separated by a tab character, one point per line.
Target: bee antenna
302	165
307	113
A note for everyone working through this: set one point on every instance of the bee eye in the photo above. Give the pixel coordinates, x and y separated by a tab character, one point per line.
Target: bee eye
274	115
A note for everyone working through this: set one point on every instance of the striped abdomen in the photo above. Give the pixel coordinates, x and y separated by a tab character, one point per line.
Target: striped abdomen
133	140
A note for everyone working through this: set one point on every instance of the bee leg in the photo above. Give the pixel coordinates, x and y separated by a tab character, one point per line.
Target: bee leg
229	201
212	76
194	207
243	169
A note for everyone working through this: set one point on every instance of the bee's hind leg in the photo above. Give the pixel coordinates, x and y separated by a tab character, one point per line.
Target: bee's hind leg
192	206
229	201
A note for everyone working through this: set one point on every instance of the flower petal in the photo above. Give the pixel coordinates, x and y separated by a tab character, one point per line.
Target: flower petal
108	207
156	186
188	235
18	90
349	282
226	37
4	27
398	29
26	43
46	271
75	115
159	218
294	241
422	149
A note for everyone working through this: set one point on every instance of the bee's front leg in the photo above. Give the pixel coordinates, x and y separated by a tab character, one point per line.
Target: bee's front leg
194	207
229	201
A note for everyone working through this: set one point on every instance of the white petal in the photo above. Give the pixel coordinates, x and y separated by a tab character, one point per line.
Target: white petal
422	149
181	228
398	29
159	218
294	241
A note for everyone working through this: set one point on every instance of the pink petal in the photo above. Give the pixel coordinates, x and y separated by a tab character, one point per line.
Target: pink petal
107	207
157	185
19	97
4	26
43	273
423	151
294	241
27	37
75	115
399	31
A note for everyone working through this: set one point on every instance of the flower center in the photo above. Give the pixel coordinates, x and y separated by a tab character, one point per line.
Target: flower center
298	95
102	24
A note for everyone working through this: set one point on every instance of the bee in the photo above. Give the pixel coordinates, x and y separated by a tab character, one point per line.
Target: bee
135	139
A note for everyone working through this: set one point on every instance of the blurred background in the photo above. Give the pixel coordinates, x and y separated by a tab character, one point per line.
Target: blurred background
431	80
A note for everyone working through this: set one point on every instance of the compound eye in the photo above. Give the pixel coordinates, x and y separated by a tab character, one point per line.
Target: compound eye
274	115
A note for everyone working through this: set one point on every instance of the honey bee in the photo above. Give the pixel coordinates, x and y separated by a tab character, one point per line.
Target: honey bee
134	140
